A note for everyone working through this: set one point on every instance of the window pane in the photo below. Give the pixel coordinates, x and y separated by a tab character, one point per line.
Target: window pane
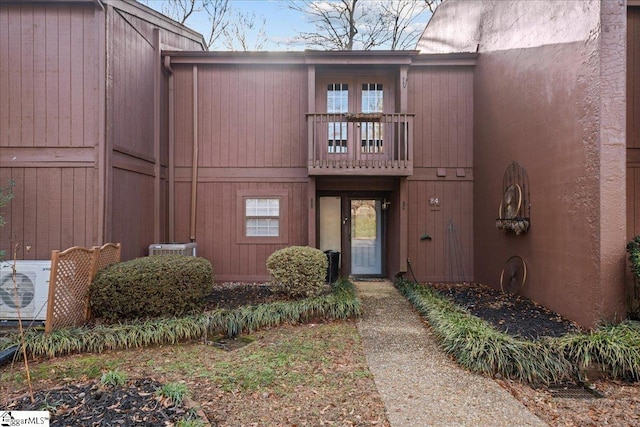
337	98
262	227
372	98
337	132
372	141
262	207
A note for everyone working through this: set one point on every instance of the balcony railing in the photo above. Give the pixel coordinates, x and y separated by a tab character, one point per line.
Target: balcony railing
360	144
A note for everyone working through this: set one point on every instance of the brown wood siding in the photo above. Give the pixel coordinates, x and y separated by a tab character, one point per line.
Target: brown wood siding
131	68
133	223
52	208
438	259
633	122
48	75
49	125
133	63
251	136
442	100
217	216
251	117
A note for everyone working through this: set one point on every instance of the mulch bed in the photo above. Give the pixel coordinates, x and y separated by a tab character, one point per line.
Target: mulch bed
512	314
90	404
232	295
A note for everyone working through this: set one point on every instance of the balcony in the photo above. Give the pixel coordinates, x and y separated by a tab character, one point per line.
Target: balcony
360	144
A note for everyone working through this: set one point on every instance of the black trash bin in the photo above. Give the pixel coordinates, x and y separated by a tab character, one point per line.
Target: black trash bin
333	265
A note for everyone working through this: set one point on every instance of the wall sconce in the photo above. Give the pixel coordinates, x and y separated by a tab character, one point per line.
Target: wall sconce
385	204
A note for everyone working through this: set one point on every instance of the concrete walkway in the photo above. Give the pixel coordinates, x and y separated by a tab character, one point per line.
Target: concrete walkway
419	384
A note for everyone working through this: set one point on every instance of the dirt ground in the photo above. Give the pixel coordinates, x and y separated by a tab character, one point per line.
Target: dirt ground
306	375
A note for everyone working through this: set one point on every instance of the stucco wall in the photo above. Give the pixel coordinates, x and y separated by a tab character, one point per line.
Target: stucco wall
548	93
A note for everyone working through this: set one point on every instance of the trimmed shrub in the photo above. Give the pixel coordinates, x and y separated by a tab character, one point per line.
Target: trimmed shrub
301	270
155	286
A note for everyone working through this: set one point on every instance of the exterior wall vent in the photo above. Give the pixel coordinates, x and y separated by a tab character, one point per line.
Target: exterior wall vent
173	249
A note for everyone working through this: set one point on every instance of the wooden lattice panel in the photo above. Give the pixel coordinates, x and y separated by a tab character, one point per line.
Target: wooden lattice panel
71	272
107	254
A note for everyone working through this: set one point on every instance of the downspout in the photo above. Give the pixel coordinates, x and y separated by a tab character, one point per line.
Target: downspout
172	178
157	167
194	168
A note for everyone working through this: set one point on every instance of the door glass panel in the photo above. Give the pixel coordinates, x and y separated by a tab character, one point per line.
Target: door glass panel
337	102
372	97
371	132
366	241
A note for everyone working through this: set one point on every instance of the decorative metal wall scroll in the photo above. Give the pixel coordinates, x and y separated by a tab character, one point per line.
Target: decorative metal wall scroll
514	213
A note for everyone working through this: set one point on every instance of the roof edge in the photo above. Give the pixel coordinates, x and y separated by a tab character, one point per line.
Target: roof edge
362	57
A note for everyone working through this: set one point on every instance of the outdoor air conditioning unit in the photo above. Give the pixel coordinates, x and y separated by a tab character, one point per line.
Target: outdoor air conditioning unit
173	249
28	293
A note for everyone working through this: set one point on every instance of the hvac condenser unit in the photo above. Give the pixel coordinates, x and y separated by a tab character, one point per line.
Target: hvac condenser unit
26	293
173	249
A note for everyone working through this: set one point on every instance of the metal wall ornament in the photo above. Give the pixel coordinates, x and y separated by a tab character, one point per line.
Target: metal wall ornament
515	208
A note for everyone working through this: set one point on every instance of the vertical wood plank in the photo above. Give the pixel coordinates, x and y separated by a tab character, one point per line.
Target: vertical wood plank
206	117
68	189
78	204
52	72
52	202
26	64
39	76
64	72
4	76
14	42
76	78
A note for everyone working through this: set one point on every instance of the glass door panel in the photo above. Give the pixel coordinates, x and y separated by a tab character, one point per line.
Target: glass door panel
366	237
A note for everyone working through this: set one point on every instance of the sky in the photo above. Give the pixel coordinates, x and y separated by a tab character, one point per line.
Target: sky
281	23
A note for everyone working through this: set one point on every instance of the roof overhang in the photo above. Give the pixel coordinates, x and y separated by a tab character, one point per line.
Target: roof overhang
314	57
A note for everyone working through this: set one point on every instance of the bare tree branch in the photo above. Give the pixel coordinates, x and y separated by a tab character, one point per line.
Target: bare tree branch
179	10
217	12
432	4
335	22
239	31
399	16
351	24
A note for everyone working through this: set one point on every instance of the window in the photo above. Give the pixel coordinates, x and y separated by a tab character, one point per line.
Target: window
263	216
337	102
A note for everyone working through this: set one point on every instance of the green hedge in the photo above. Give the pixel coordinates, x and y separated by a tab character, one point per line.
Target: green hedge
300	270
155	286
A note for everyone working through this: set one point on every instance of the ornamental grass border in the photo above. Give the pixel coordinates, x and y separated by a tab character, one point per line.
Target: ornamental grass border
341	303
479	347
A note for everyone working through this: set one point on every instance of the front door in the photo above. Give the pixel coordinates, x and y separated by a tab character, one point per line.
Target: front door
366	237
353	227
